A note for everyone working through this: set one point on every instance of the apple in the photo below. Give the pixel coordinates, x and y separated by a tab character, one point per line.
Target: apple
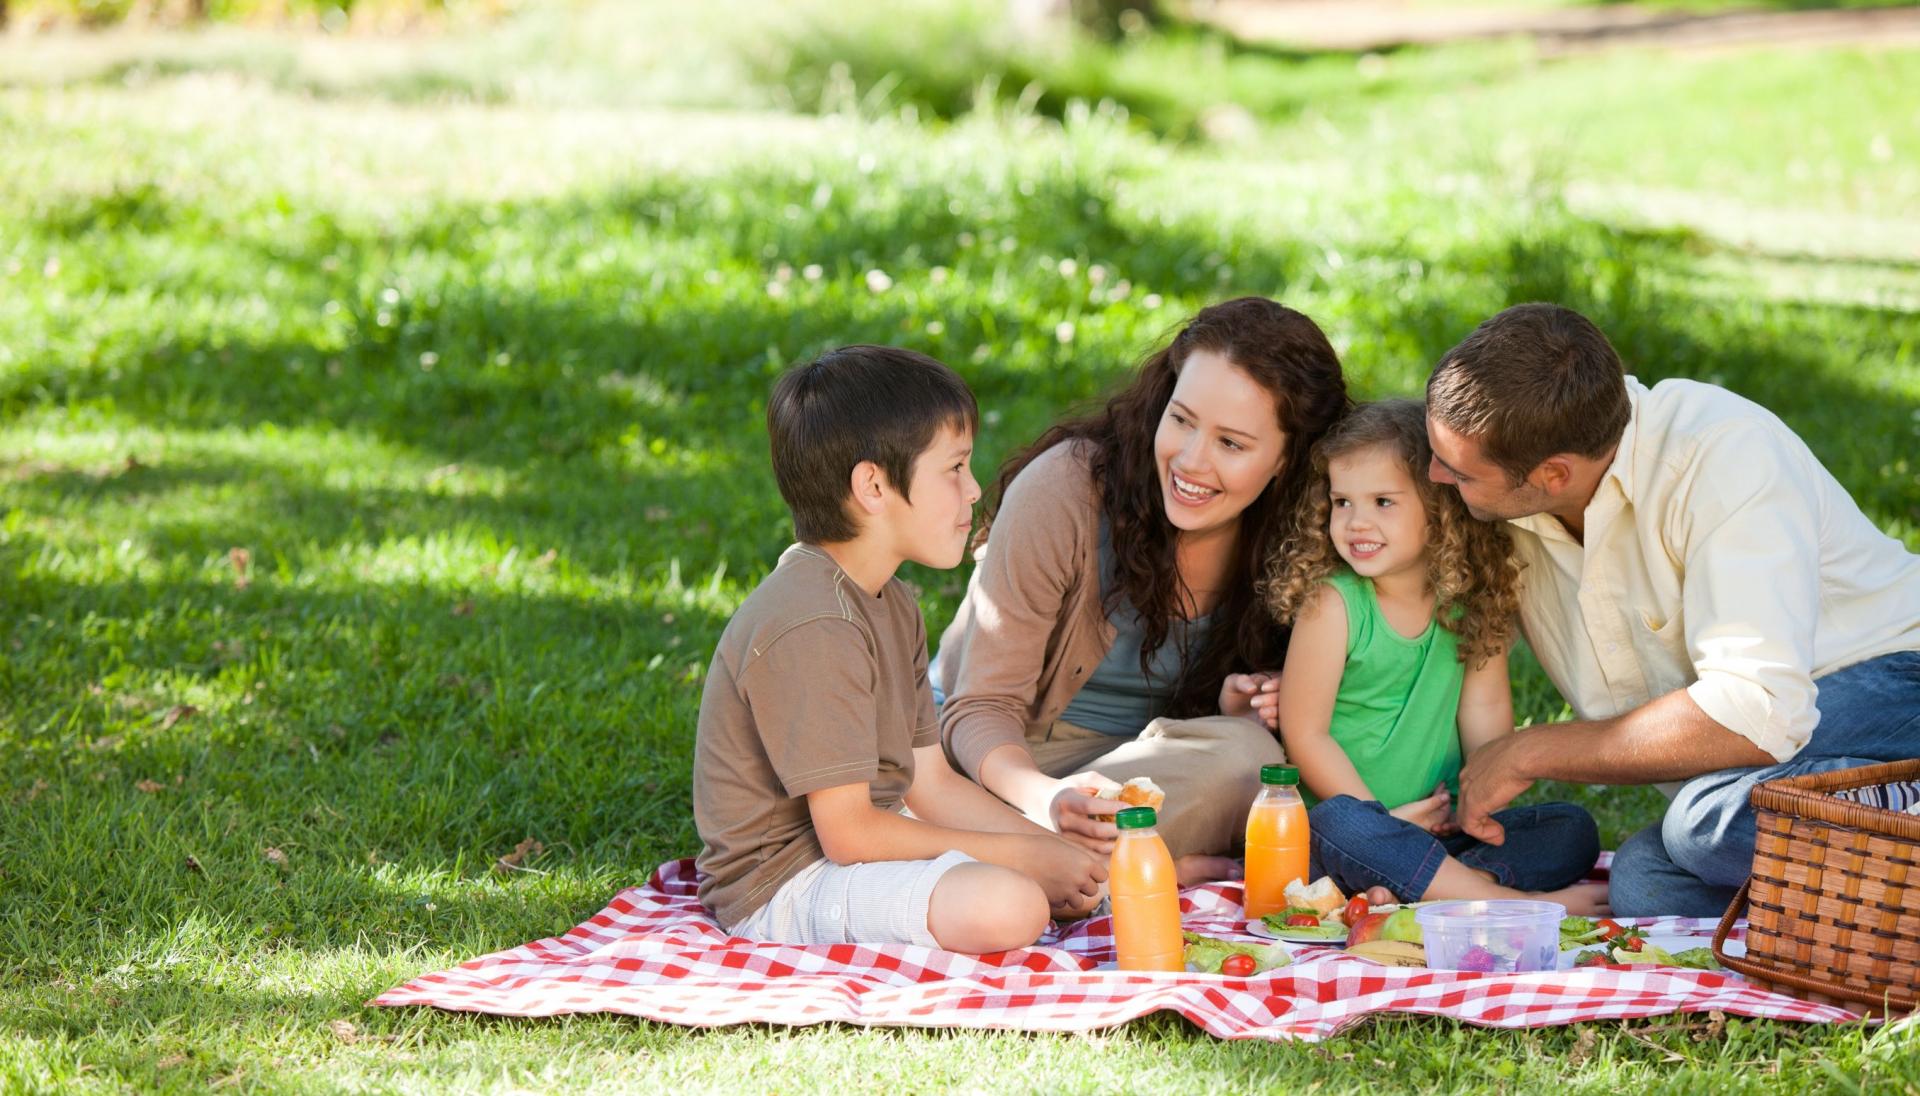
1388	925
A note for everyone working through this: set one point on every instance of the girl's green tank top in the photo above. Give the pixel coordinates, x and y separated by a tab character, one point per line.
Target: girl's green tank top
1397	711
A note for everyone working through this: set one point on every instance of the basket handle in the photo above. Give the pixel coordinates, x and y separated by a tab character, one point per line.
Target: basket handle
1734	909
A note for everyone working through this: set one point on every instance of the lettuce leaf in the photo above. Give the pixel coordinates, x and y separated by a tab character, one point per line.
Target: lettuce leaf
1575	931
1206	954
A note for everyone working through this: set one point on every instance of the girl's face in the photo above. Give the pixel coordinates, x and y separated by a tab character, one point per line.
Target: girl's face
1218	446
1378	524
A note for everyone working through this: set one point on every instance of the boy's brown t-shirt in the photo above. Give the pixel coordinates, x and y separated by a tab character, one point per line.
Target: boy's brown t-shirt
814	684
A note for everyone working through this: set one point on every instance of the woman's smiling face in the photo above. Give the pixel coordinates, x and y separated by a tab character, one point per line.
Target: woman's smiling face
1219	444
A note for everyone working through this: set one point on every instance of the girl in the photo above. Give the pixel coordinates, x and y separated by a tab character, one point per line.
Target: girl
1116	586
1402	607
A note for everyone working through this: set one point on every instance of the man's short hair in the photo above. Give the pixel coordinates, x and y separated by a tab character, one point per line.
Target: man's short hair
858	403
1533	381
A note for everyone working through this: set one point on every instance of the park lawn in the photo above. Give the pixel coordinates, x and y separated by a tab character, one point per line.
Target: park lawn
382	454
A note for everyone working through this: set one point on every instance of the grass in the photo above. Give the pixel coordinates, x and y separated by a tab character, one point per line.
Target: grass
381	454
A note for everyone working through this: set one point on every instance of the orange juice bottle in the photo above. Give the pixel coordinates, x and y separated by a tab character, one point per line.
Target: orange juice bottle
1276	840
1146	896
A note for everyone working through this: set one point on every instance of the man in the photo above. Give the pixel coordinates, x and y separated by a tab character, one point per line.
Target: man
1708	598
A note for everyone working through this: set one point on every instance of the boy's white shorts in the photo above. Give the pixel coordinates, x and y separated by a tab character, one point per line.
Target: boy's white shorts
884	902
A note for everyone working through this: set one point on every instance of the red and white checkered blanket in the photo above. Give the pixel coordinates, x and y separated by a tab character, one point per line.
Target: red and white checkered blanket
655	952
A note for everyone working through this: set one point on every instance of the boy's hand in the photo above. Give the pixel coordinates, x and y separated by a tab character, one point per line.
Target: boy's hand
1252	696
1072	877
1081	816
1433	814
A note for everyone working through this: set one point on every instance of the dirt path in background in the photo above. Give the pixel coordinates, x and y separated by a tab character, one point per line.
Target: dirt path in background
1380	24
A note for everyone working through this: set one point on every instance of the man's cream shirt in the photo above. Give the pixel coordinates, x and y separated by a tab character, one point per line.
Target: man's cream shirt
1721	558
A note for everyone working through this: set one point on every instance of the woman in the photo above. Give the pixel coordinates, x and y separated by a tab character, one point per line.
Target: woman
1114	591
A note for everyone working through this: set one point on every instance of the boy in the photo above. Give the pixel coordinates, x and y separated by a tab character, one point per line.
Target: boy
817	723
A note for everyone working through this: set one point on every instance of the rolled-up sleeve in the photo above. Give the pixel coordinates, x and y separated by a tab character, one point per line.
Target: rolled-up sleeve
1748	525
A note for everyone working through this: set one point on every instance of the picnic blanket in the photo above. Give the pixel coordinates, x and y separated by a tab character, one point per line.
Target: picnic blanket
655	952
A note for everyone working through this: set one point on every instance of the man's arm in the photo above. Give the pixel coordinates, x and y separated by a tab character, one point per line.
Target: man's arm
1742	520
1668	738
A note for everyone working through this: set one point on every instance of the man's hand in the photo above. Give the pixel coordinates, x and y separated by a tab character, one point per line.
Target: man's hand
1081	815
1494	776
1433	814
1069	874
1252	696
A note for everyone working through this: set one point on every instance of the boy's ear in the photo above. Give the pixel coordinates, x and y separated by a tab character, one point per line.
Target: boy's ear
869	485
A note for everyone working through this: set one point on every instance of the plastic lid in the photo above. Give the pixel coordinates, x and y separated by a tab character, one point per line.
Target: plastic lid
1136	818
1279	774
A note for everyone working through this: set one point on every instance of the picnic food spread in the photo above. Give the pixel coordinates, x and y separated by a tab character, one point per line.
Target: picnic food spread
1499	936
1277	847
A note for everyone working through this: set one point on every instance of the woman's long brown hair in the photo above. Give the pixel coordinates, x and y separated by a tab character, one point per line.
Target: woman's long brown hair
1285	353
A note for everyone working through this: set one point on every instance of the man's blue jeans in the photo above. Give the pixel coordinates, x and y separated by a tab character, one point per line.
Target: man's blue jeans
1360	845
1690	862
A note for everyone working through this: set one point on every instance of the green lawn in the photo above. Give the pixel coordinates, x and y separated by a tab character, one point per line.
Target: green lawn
381	454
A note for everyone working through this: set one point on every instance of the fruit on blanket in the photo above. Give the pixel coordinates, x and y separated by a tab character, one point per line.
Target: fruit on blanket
1357	907
1386	925
1477	958
1391	953
1238	966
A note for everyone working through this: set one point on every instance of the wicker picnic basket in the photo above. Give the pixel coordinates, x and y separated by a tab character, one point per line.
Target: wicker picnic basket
1833	904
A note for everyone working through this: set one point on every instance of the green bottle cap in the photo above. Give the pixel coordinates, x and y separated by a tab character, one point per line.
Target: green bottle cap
1136	818
1279	774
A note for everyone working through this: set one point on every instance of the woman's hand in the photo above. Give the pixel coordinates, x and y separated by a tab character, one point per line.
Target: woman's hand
1252	696
1433	814
1080	814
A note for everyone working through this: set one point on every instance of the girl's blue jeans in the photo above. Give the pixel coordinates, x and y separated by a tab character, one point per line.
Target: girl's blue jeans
1359	844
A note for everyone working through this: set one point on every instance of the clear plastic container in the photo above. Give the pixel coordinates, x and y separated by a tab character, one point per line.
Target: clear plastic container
1504	935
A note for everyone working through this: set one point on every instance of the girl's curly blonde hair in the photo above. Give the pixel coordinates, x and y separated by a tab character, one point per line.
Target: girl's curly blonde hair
1470	563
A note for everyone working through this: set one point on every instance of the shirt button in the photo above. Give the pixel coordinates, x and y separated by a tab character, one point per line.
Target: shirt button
834	913
1612	648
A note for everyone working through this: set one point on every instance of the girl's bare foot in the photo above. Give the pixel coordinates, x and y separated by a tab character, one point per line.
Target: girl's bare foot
1195	868
1582	899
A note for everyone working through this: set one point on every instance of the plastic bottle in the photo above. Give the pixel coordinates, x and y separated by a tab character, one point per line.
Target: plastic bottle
1277	845
1146	896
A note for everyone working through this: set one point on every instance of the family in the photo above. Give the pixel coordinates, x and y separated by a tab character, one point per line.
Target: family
1230	565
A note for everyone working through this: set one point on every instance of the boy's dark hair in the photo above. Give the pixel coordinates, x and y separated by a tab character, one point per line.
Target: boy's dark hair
1535	380
858	403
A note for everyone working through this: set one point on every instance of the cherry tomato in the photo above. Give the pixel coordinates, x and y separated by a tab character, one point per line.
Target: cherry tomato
1357	908
1238	966
1591	959
1632	943
1304	920
1609	928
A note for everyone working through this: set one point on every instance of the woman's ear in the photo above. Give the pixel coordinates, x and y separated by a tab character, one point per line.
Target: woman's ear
869	485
